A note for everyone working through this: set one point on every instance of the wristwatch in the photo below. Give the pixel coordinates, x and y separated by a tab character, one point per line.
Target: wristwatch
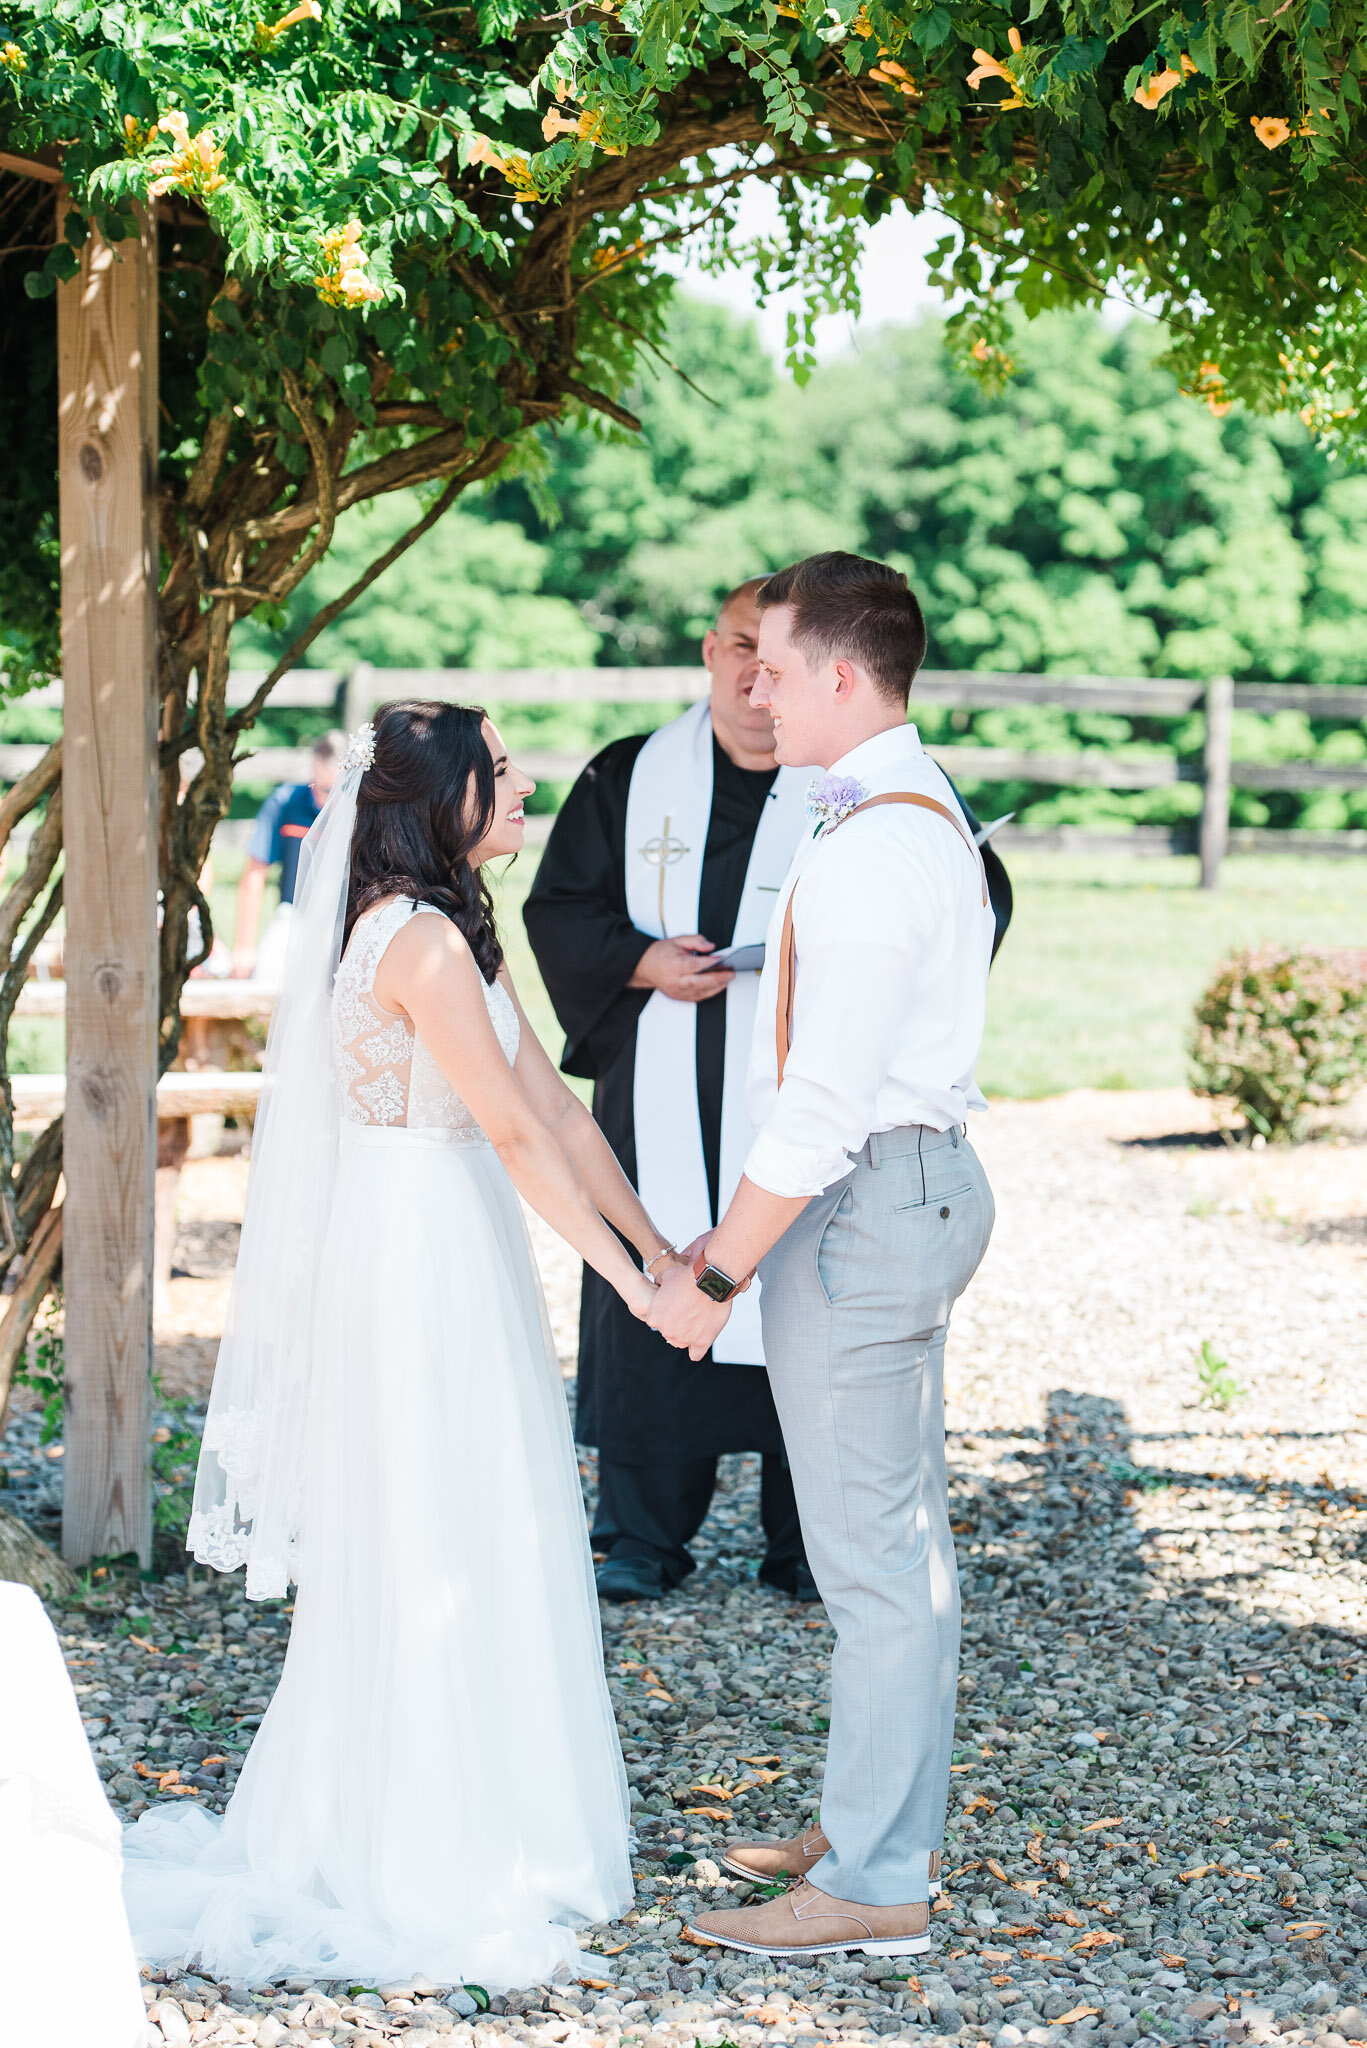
711	1281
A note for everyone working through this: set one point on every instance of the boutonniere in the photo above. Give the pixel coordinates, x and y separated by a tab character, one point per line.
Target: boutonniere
832	798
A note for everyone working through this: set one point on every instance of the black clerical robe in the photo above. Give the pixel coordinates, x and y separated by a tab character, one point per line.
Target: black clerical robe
640	1401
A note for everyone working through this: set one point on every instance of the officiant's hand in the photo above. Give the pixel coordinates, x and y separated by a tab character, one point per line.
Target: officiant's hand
684	1315
678	968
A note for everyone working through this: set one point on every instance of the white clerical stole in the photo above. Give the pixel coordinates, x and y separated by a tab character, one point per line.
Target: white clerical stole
669	807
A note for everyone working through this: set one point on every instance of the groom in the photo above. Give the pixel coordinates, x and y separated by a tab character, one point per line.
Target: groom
870	1213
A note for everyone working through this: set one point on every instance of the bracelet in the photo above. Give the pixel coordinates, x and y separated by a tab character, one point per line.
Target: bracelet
665	1251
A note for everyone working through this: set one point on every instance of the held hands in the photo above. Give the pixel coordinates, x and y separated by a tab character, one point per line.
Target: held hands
668	1299
642	1287
683	1315
678	968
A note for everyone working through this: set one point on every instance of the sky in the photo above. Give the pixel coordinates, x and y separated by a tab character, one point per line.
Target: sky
893	278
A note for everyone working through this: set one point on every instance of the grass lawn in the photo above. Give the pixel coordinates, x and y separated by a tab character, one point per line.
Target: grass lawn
1094	987
1096	982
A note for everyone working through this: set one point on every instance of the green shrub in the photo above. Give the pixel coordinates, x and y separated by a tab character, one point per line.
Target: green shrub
1284	1034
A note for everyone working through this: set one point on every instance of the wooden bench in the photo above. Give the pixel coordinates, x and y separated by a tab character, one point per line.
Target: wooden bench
204	1087
249	1001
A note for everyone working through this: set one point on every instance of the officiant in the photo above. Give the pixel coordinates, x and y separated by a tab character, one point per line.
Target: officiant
670	847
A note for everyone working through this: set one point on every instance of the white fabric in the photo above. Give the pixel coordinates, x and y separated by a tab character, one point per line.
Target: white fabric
274	948
437	1784
249	1486
893	947
669	808
64	1944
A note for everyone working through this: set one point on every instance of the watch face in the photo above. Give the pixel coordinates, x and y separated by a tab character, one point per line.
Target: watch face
715	1284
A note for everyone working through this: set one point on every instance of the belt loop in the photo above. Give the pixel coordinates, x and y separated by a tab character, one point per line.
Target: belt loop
875	1159
954	1136
920	1161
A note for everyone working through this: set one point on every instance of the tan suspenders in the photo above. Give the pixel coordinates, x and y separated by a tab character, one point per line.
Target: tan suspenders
787	960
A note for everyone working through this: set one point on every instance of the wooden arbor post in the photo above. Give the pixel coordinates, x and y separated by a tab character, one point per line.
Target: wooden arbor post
107	441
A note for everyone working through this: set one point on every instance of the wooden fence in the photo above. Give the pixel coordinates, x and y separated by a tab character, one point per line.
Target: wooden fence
351	698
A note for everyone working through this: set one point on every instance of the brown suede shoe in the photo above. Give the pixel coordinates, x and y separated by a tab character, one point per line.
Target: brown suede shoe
770	1861
806	1922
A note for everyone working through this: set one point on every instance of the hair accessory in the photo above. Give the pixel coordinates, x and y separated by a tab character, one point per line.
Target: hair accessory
360	752
831	798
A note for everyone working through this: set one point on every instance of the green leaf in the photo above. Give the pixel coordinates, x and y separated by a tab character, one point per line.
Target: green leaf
931	29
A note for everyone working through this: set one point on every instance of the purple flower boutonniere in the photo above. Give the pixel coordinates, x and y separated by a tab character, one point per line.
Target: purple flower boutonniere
832	798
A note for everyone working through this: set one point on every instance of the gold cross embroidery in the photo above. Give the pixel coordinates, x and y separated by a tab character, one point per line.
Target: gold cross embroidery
662	852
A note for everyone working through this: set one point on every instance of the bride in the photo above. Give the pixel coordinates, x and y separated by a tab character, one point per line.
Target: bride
437	1785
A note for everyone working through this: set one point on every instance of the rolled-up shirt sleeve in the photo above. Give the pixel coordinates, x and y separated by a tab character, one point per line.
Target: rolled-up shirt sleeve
856	978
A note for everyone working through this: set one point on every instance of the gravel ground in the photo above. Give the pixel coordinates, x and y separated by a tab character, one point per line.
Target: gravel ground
1156	1832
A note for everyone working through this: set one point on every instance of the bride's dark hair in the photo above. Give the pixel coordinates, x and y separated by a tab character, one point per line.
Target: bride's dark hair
413	836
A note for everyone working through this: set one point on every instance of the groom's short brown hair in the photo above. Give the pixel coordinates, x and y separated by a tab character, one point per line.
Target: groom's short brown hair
846	607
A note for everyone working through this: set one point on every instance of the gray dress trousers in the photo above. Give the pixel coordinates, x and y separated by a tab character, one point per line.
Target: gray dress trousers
856	1304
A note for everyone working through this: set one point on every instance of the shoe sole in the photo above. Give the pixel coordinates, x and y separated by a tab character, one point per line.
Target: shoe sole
909	1945
757	1877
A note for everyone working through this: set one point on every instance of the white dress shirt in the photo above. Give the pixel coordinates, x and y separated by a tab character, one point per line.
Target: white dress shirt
893	947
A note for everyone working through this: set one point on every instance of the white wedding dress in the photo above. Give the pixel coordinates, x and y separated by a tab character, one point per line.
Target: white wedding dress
437	1785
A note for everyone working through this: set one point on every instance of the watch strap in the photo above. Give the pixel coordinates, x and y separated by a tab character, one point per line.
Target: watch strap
701	1264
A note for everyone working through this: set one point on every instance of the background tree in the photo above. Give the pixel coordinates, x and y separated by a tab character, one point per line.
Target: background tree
1081	519
397	237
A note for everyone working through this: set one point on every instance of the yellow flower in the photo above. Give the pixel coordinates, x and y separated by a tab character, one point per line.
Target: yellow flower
13	58
194	166
267	32
988	66
1157	89
136	138
987	352
518	172
612	258
556	124
861	26
357	289
344	282
1210	388
895	75
1271	130
514	168
1164	82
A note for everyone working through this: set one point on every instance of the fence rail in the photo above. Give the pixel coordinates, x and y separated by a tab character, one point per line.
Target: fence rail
351	698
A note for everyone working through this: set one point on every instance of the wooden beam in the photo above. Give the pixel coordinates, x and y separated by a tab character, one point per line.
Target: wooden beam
1215	800
107	457
40	1097
45	167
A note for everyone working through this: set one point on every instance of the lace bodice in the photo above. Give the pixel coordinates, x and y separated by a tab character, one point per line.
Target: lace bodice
385	1072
